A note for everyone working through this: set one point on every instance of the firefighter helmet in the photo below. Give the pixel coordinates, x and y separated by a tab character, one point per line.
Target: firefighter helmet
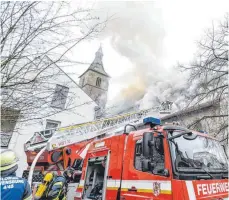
8	160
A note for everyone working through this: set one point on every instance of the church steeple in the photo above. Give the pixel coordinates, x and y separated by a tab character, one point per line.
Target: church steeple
97	64
95	80
99	53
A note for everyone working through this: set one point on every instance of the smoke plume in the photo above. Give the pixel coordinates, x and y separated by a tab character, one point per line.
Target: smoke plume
137	32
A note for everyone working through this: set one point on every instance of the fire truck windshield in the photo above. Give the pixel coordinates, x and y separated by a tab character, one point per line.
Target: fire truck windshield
198	154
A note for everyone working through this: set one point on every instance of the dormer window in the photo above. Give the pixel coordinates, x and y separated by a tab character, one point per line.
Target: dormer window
60	97
98	82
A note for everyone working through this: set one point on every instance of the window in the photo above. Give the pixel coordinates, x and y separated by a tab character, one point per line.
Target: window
98	82
156	160
60	96
52	124
138	155
50	128
5	139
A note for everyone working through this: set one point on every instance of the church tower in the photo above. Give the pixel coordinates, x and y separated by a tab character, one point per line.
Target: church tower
95	81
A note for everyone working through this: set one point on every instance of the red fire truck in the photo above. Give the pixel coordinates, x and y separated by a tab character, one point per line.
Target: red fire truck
57	160
155	162
57	149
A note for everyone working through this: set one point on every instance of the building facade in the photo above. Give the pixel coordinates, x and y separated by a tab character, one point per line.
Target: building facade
57	100
95	82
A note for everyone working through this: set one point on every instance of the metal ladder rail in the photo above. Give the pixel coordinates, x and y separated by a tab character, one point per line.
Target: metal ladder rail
97	125
103	124
77	136
112	121
136	116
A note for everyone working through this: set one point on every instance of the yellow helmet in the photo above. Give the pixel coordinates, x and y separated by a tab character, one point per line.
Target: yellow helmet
8	159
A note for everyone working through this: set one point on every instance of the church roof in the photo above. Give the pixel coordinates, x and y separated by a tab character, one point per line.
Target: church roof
97	64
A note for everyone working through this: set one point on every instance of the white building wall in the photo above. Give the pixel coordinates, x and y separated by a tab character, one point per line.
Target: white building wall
26	131
79	109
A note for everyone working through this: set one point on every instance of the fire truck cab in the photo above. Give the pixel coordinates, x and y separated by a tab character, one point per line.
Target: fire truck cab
155	162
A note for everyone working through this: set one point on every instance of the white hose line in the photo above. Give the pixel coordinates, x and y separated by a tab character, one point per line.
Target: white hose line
33	166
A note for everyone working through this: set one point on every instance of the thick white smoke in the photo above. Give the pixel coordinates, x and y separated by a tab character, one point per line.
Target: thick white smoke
137	32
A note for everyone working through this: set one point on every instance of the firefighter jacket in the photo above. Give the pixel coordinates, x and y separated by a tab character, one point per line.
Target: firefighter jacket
14	188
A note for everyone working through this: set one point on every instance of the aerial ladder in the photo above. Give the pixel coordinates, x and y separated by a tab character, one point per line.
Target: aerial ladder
65	136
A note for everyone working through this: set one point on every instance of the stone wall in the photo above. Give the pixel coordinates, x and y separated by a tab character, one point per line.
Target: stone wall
88	84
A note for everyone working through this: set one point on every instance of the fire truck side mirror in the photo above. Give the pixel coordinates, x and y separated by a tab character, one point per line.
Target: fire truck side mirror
147	144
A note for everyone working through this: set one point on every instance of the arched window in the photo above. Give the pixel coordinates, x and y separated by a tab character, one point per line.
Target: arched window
98	82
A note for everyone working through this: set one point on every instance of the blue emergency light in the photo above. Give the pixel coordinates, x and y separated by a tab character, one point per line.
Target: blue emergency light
152	121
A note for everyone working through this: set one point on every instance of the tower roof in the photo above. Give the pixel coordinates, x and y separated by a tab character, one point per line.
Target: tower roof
97	64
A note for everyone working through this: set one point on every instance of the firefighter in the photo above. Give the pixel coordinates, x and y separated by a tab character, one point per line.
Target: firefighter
68	174
12	187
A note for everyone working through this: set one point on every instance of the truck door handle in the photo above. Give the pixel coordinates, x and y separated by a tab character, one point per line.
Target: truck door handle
132	189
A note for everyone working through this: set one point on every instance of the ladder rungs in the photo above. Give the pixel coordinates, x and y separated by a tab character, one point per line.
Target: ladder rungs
77	133
63	138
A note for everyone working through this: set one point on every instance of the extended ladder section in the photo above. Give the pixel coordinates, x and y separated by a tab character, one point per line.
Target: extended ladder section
72	134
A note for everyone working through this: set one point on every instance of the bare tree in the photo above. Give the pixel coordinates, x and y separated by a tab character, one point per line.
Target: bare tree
210	68
209	71
35	37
